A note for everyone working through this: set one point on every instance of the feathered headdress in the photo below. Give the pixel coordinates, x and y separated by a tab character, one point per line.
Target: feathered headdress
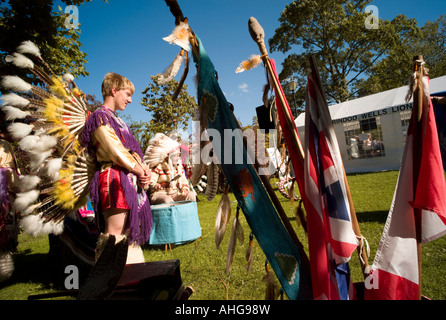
47	120
159	148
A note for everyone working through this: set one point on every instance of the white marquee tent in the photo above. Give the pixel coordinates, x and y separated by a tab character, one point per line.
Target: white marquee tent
371	130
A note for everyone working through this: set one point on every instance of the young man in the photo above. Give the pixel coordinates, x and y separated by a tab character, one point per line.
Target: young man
121	177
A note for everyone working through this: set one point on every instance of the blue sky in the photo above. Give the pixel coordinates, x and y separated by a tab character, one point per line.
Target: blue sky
126	37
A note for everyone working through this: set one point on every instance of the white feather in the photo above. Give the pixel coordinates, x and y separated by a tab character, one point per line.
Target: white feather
37	159
30	209
30	48
12	113
171	71
68	77
34	225
28	142
25	199
37	144
14	100
19	130
29	182
19	60
15	83
53	166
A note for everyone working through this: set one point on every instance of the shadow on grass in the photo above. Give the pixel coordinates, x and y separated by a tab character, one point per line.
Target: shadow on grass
31	268
372	216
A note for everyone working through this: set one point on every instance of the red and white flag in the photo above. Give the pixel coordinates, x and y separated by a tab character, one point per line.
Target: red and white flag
421	187
331	239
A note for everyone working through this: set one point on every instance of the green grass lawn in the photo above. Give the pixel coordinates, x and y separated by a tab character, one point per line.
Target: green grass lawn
203	267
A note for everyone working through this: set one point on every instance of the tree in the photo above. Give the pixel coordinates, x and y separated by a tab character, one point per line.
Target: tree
335	32
36	21
395	69
167	115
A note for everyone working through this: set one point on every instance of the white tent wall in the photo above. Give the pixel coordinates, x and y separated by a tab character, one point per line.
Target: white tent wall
381	114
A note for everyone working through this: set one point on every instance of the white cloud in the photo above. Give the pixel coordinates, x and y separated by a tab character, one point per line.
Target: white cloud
243	87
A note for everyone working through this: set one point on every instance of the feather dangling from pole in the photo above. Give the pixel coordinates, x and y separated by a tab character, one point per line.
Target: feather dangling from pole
180	36
30	48
252	62
236	234
171	71
212	185
221	221
270	293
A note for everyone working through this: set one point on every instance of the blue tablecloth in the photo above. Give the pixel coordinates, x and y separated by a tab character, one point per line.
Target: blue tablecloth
175	223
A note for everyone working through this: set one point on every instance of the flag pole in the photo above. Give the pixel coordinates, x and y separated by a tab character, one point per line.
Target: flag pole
361	249
258	35
418	97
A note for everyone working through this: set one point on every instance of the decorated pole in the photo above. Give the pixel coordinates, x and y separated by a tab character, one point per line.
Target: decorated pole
290	133
418	95
287	259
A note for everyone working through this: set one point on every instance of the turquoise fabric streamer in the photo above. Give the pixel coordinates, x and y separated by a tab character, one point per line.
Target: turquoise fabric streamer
282	253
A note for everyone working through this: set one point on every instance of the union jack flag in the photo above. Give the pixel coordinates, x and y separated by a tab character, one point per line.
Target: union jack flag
331	238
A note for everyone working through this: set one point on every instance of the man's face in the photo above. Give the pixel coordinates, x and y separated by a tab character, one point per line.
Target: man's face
122	98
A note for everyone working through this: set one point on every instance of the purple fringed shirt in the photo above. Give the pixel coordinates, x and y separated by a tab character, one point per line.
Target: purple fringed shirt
139	221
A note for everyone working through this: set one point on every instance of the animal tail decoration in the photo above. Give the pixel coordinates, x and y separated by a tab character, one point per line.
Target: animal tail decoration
47	120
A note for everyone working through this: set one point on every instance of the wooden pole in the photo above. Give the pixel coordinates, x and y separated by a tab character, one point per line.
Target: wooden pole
418	97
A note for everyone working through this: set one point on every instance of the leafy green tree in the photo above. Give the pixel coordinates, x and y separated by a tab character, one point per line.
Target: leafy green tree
394	70
35	20
167	115
433	46
335	32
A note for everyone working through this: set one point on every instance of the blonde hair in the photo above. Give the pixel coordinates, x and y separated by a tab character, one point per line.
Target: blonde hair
114	80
